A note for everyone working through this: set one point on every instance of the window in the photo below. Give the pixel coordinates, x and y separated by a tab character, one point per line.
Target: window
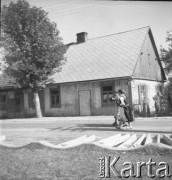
55	97
3	101
142	94
107	94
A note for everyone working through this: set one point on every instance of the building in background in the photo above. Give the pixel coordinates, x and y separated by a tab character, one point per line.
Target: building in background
94	70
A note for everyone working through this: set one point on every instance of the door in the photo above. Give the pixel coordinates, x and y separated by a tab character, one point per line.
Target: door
85	103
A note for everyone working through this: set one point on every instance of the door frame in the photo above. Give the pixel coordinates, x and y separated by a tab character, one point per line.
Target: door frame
79	102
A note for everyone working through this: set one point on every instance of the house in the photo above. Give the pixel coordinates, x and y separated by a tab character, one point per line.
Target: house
94	70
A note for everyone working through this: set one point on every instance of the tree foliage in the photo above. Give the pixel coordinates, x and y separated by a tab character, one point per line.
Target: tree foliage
33	48
166	54
166	58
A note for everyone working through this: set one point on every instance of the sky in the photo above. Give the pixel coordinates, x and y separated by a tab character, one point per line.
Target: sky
101	17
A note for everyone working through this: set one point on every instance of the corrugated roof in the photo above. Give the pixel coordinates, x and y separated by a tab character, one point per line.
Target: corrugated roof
110	56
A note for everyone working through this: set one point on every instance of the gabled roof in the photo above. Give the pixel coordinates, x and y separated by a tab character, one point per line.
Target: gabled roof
107	57
111	56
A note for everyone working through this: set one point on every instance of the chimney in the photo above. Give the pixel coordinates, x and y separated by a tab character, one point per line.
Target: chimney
81	37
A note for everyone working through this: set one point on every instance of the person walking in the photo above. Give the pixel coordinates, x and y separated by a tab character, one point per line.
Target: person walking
124	114
122	110
117	101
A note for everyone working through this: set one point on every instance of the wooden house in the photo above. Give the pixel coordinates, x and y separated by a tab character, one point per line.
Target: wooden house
94	70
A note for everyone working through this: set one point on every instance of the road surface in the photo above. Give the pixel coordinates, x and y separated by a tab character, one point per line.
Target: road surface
60	129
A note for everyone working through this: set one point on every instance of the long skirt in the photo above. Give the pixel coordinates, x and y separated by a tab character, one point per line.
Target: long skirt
119	114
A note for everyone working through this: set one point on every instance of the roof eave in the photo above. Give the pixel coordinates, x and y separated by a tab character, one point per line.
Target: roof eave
95	80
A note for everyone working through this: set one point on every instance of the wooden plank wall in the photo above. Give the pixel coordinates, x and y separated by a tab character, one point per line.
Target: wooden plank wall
70	98
12	110
147	65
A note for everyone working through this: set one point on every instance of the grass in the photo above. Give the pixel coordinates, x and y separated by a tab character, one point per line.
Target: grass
37	162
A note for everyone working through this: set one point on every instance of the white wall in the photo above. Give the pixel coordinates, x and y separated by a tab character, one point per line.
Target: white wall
151	87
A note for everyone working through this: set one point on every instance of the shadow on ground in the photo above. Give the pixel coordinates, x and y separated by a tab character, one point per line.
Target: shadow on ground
105	127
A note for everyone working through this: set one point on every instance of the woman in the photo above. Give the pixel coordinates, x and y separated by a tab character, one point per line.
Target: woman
123	112
117	111
119	114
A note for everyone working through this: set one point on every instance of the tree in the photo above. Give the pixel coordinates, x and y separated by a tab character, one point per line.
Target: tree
166	54
166	58
33	48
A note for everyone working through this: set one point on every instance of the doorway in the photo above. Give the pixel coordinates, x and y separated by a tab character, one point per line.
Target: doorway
85	103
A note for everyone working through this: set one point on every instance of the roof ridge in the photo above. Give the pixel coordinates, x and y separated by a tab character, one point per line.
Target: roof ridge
120	32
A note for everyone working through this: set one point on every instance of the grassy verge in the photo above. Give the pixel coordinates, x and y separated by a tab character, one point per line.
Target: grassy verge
37	162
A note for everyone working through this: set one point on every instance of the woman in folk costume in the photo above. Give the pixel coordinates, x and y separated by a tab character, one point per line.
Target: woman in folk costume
119	114
123	111
117	100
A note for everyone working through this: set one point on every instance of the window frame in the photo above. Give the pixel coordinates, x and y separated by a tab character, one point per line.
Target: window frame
112	103
142	89
4	105
54	89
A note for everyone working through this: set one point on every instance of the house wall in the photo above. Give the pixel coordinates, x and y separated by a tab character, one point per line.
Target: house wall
3	112
148	66
28	101
148	72
151	90
14	104
70	98
17	104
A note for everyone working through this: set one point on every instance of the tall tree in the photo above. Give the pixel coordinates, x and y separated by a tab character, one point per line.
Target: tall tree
166	54
166	58
33	48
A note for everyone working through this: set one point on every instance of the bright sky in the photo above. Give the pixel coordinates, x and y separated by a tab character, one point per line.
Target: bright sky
102	17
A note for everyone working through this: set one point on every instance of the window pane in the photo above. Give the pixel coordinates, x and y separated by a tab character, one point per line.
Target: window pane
107	94
52	101
2	102
107	88
55	92
57	100
55	97
105	98
110	97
